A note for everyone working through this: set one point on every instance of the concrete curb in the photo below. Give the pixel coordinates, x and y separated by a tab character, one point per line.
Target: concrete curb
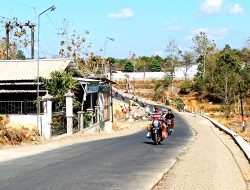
244	146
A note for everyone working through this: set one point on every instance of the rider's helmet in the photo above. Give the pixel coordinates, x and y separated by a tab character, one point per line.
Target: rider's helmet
156	108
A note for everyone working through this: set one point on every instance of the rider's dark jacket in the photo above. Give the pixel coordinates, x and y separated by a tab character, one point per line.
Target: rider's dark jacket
169	116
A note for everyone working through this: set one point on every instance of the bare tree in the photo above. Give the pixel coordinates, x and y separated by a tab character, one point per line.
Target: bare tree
73	44
188	61
173	52
203	47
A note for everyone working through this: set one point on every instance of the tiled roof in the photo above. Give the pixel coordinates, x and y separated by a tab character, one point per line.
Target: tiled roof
11	70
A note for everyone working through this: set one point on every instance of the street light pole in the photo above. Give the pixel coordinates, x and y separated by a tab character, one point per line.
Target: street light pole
110	73
52	8
104	51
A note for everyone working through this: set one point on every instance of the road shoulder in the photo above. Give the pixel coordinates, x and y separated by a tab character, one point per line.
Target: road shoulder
212	161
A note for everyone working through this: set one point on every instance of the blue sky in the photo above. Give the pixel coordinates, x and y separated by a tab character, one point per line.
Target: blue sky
141	27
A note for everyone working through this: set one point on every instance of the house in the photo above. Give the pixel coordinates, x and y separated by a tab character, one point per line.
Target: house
18	86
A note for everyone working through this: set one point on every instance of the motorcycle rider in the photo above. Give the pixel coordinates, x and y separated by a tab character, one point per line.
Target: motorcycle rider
155	115
171	116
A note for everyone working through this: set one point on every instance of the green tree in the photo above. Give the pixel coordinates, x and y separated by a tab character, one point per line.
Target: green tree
228	69
58	84
20	55
155	66
139	68
119	64
128	67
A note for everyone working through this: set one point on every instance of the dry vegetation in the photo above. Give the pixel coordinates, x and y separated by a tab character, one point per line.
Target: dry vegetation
14	134
231	118
228	117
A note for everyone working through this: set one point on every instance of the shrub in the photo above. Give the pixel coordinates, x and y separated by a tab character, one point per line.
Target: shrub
4	119
87	117
157	85
214	109
185	87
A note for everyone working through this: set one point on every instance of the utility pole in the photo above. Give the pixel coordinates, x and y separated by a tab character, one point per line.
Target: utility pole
8	27
32	27
111	90
32	41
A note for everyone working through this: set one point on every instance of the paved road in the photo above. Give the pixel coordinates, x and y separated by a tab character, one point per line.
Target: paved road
126	99
128	162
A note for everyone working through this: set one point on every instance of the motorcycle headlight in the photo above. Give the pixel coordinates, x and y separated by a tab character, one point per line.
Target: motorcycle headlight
155	123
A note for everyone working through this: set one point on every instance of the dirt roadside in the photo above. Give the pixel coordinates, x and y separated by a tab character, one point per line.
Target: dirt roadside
212	161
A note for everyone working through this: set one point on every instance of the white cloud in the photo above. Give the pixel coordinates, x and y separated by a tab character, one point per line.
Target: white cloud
211	6
236	9
214	34
172	27
125	13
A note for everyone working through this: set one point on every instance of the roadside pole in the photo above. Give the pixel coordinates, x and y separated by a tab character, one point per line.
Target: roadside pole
111	91
242	110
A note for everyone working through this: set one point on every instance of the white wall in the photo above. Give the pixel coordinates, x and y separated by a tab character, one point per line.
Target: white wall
29	119
179	74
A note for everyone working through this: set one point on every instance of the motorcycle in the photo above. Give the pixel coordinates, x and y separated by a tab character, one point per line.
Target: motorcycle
169	126
116	94
143	104
156	132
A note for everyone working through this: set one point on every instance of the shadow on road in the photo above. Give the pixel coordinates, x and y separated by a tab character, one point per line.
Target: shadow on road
151	143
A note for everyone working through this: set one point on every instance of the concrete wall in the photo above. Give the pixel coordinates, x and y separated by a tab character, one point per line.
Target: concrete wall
24	119
179	74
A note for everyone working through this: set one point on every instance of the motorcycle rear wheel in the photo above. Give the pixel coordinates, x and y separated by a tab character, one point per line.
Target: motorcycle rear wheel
156	139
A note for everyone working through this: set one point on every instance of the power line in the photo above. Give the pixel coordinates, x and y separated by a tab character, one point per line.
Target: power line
53	24
132	46
27	6
20	3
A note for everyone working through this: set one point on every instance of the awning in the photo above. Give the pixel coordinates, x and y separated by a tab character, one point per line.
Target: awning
105	80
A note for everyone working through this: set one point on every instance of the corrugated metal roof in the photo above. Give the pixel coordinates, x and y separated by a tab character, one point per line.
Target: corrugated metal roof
27	69
85	79
21	91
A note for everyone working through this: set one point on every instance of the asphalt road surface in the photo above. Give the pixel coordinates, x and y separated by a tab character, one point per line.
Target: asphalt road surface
126	99
128	162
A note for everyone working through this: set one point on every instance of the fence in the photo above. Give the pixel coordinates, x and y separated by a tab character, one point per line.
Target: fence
18	107
59	123
178	75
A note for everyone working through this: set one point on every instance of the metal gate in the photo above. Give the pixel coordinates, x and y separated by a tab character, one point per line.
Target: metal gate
59	123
